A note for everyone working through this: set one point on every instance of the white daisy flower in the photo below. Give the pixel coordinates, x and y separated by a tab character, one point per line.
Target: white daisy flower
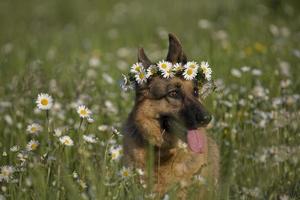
191	64
6	172
116	152
206	70
141	77
189	73
83	111
125	172
137	68
34	128
103	128
90	138
66	140
32	145
164	65
14	148
90	120
140	171
58	132
44	101
152	69
168	73
177	67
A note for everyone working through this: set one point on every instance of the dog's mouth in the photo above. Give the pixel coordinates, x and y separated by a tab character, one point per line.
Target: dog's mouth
193	136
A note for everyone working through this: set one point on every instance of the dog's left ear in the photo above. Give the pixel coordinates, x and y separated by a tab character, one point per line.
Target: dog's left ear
175	53
143	58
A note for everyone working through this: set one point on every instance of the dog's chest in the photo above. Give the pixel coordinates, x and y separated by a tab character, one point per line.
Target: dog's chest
182	167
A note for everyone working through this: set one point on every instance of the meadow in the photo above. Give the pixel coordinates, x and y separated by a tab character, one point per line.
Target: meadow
76	51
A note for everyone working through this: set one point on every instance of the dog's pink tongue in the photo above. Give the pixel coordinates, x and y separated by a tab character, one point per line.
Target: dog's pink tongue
195	139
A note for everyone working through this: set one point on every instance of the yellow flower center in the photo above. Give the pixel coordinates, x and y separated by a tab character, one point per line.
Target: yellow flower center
141	75
44	102
33	146
67	142
33	129
189	72
83	112
125	173
164	65
138	68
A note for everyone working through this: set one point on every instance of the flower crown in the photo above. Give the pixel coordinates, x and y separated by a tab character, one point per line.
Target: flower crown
190	71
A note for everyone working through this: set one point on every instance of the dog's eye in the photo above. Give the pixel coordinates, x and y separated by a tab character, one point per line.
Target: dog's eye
174	94
196	92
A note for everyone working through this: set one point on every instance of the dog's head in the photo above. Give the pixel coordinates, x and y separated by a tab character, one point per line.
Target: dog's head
173	101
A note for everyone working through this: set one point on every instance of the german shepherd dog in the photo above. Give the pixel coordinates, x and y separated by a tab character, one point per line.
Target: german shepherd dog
167	112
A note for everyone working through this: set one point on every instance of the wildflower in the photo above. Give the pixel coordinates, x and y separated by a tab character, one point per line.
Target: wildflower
14	148
141	77
125	172
140	171
116	152
236	73
90	120
256	72
34	128
32	145
137	68
103	127
192	64
66	140
206	70
6	172
90	138
177	67
164	65
152	69
75	174
94	61
182	145
83	111
189	73
57	132
245	69
168	73
44	101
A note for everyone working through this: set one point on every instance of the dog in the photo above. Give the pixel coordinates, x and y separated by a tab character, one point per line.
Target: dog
168	114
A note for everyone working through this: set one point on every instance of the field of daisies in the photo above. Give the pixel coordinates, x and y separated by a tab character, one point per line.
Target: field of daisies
62	107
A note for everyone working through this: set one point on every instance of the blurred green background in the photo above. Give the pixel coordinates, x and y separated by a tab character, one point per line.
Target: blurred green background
74	49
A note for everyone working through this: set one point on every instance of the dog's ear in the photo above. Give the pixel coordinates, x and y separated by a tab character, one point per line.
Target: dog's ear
143	58
175	53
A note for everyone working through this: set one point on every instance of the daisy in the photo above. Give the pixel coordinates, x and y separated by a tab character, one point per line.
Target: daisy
136	68
90	138
116	152
83	111
14	148
177	67
44	101
168	73
32	145
191	64
206	70
66	140
141	77
125	172
57	132
189	73
34	128
164	65
6	172
151	71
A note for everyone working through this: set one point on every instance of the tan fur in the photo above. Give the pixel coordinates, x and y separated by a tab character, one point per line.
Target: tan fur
179	168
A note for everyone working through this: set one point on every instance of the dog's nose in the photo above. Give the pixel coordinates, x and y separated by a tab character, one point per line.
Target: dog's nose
203	117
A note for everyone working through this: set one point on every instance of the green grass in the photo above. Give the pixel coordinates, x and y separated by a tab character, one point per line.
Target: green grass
46	46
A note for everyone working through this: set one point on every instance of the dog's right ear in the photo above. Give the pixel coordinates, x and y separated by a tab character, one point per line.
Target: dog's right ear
143	58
